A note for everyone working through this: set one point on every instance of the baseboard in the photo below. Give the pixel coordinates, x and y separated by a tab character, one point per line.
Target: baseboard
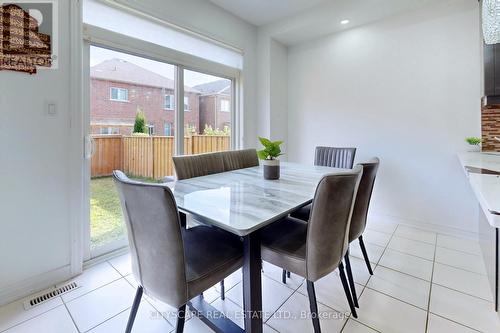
34	284
434	227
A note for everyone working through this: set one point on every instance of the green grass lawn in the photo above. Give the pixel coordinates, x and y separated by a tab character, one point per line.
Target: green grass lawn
106	218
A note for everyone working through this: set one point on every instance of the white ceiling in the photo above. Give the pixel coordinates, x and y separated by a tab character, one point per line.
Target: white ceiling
260	12
295	21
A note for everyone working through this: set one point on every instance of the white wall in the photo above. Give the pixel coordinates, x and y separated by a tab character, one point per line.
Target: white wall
34	168
36	192
406	89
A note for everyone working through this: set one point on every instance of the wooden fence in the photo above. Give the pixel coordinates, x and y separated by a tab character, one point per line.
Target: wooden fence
149	157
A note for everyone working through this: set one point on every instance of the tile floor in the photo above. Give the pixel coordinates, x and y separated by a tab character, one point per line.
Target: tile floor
423	282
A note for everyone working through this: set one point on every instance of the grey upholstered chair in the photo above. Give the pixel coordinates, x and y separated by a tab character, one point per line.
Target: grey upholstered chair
190	166
171	263
359	217
333	157
315	249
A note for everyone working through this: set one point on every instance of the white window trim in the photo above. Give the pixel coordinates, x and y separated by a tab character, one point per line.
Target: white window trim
117	100
228	105
172	102
186	102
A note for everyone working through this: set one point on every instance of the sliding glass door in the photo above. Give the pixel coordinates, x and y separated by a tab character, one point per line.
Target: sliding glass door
131	128
140	112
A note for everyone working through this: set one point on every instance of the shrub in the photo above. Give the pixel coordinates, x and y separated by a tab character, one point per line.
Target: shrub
140	123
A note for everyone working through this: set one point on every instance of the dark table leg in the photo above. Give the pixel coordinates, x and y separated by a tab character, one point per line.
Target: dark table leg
252	284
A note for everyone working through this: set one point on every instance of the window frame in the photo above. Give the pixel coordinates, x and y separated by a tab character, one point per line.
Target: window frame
228	101
118	94
172	102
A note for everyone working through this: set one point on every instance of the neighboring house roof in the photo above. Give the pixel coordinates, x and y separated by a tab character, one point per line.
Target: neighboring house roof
120	70
222	86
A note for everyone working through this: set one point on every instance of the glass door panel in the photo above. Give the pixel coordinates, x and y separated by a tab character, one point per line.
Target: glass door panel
208	111
132	128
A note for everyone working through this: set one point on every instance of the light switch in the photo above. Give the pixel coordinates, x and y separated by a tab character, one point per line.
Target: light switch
51	109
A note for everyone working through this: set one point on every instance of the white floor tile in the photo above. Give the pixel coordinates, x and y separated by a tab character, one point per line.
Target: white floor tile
231	310
99	305
401	286
274	272
92	278
330	292
440	325
408	264
466	261
416	234
360	271
294	316
459	244
195	325
388	315
464	309
376	237
378	225
352	326
56	320
415	248
464	281
374	251
147	320
122	264
274	295
14	313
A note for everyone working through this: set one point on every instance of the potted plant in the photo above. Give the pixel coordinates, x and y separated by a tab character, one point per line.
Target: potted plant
269	156
475	143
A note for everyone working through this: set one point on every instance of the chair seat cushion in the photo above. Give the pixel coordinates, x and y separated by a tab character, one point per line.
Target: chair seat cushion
284	245
302	213
211	255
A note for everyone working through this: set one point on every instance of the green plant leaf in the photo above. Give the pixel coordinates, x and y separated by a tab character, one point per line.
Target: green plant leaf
265	142
262	154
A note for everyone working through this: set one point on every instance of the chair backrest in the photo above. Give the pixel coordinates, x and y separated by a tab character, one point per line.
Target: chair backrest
335	157
240	159
328	227
360	211
190	166
155	239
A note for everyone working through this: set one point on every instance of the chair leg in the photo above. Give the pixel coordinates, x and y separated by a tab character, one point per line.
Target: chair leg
181	318
346	290
222	291
133	311
350	278
365	255
283	276
313	304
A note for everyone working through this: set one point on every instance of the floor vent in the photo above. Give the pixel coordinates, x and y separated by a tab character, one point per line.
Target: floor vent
49	294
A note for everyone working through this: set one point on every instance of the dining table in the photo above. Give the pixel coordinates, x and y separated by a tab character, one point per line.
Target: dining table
242	202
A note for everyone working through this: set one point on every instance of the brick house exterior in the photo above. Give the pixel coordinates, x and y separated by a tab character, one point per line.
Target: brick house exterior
145	90
215	104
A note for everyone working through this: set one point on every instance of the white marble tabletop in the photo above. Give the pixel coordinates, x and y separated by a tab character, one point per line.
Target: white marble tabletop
242	201
483	171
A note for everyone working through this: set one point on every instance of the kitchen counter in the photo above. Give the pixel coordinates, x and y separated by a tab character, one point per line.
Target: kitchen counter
483	172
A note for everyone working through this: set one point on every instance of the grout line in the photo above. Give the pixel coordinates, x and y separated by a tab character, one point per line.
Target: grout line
30	318
461	292
119	313
430	289
453	321
90	291
460	268
71	316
